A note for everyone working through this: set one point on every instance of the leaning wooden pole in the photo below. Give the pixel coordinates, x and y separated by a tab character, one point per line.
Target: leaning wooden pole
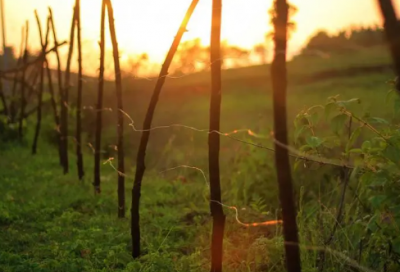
99	106
22	91
279	86
60	88
78	135
392	32
54	106
65	97
43	41
13	104
53	100
140	165
217	212
120	114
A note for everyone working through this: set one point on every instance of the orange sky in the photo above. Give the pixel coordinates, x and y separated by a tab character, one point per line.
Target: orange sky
150	25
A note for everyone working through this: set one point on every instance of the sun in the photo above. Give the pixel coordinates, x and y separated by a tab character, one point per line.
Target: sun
150	25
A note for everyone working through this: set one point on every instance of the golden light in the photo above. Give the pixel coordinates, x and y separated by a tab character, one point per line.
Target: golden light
150	25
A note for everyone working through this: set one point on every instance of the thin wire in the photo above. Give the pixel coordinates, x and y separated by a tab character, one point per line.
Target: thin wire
294	152
191	167
256	224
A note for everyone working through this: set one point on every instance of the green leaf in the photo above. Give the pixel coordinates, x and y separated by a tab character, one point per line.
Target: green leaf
397	106
300	120
337	122
305	148
366	146
354	173
313	118
329	108
366	178
296	164
332	142
396	245
392	153
353	137
299	131
356	150
372	225
377	120
378	182
314	142
389	96
377	201
347	103
395	210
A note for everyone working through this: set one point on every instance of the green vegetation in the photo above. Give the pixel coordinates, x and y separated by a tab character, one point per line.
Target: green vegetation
50	222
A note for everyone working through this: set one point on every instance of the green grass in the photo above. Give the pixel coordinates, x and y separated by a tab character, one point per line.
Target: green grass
51	222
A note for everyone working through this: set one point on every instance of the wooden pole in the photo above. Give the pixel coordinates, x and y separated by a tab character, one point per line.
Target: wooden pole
279	86
140	165
120	115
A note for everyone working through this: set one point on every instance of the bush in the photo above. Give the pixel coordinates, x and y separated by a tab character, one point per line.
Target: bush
359	213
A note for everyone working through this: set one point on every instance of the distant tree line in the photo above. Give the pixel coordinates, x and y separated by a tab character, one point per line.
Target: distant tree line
345	41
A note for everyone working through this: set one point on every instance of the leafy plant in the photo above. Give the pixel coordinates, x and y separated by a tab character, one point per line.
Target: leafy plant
366	152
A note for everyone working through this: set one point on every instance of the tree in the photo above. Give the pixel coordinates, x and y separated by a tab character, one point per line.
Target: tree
191	57
232	56
134	65
260	50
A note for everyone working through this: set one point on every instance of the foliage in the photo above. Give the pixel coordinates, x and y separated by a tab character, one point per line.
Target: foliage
344	41
8	131
368	148
192	57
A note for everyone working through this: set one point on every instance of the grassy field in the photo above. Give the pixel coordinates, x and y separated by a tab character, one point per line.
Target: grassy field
51	222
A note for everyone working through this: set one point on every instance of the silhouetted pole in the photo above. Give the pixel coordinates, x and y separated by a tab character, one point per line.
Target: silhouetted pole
392	32
22	92
120	115
43	41
99	107
217	212
279	86
60	87
140	165
17	79
78	136
65	96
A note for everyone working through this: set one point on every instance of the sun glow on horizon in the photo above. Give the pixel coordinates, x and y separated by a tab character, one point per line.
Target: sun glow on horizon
148	26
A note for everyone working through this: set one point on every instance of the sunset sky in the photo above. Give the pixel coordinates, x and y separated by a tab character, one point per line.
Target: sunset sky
150	25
